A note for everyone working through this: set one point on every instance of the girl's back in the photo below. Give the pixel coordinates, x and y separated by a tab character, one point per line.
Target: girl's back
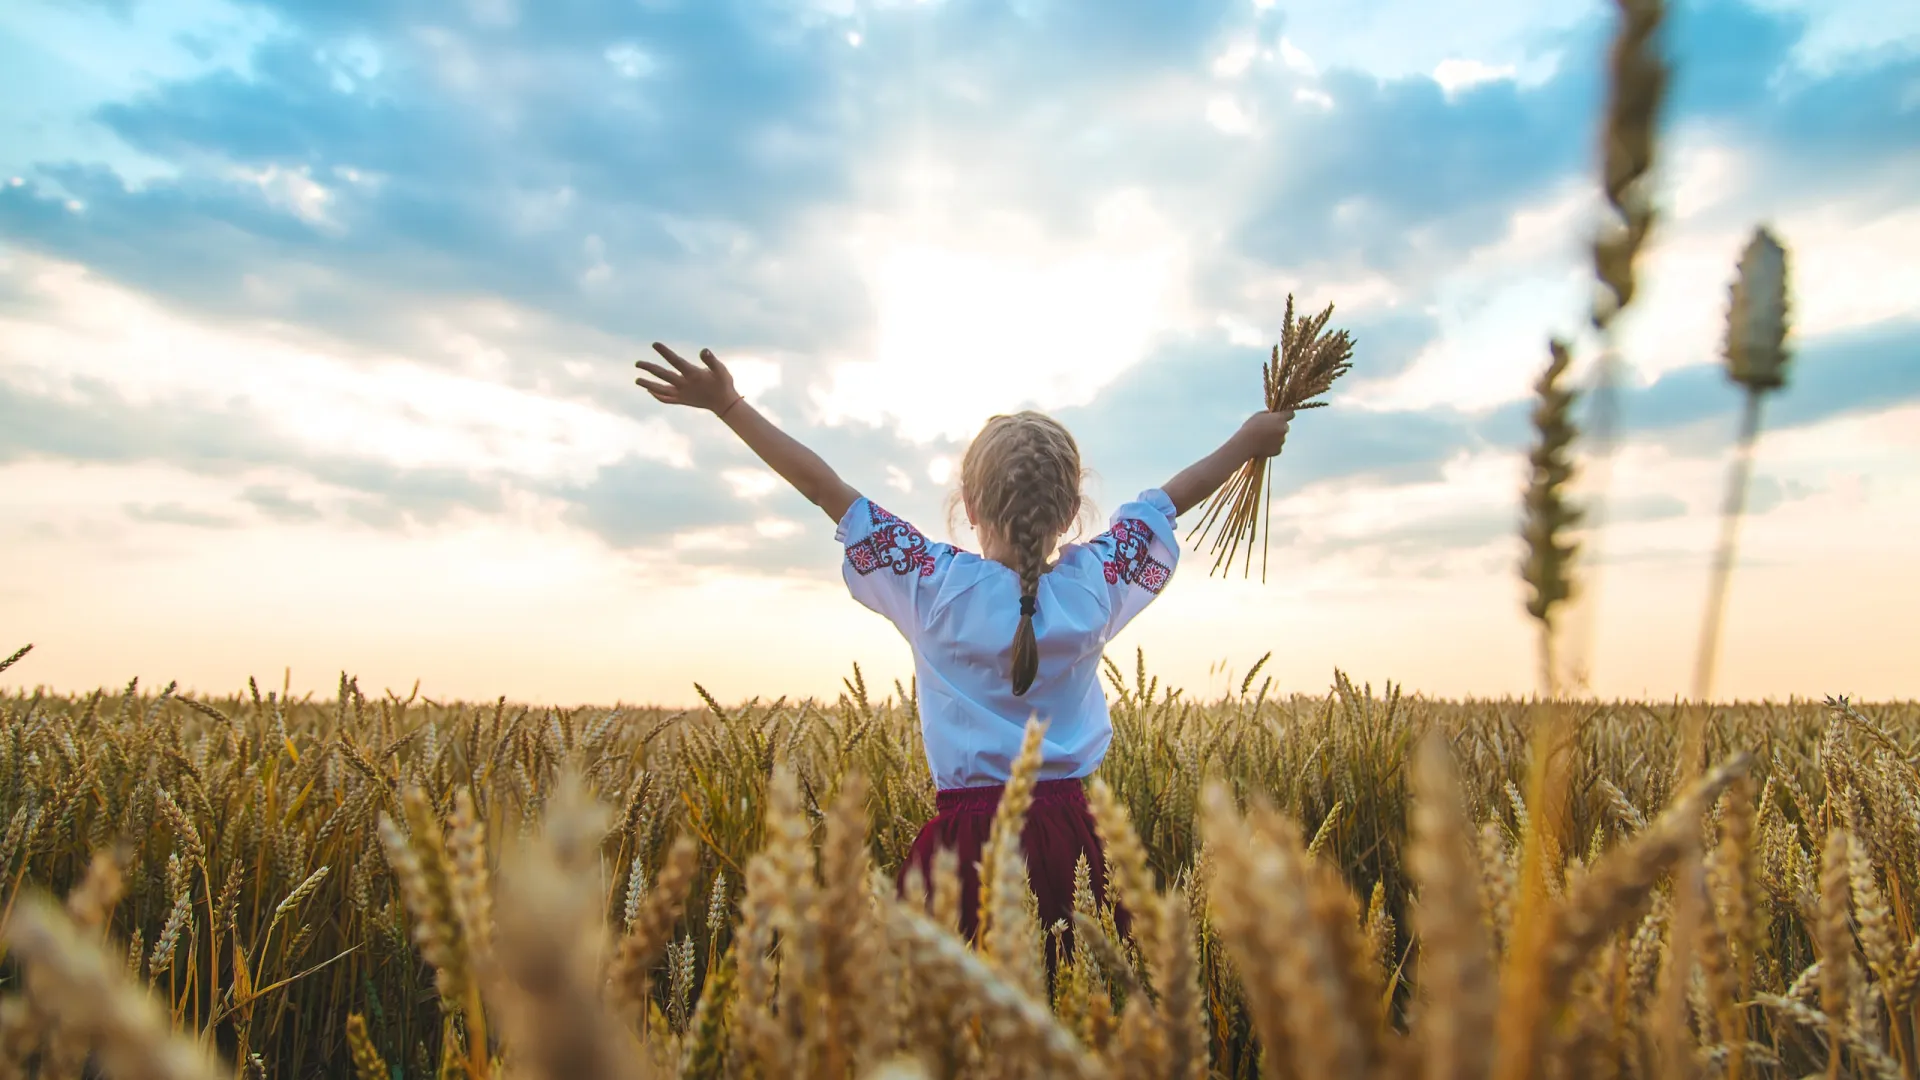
961	614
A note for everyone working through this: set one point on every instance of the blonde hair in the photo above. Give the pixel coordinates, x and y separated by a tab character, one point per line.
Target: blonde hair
1021	478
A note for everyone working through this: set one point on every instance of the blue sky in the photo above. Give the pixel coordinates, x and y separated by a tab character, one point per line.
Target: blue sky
317	320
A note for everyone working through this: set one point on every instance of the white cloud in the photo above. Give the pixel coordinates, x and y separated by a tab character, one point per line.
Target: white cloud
753	376
1342	513
1400	38
630	61
1241	331
1841	30
1496	308
293	190
1501	302
1226	115
1706	176
775	528
1235	60
390	408
1848	268
1307	95
751	483
1296	58
1455	75
357	177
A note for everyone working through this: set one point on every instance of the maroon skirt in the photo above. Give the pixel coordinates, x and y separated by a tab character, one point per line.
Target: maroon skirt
1058	832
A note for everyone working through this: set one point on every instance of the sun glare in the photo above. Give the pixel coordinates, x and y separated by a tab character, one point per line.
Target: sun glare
965	326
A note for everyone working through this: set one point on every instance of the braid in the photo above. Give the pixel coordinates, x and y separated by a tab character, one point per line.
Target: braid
1027	536
1023	473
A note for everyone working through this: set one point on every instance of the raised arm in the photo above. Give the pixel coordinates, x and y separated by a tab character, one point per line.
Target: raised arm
709	385
1261	436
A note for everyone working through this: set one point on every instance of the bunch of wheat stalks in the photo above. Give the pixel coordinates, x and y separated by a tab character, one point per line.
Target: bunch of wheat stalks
390	885
1304	366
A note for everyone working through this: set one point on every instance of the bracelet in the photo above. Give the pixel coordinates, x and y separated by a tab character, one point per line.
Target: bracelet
738	398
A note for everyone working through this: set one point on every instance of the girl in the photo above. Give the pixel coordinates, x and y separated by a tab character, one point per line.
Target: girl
1003	635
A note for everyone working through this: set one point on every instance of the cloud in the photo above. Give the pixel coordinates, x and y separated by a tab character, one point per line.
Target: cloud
637	503
698	200
1768	493
97	426
1860	371
279	504
505	186
176	514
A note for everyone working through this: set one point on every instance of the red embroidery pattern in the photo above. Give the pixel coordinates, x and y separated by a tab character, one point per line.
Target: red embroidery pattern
1133	561
893	544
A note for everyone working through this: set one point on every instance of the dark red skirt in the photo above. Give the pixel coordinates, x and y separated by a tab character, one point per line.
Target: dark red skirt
1058	832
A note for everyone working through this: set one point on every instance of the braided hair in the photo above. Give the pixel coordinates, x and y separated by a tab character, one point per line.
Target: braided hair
1021	476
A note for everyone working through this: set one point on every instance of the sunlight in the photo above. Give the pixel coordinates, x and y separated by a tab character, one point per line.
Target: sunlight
969	322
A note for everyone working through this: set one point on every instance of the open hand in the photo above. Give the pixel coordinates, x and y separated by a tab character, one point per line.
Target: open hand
706	385
1266	432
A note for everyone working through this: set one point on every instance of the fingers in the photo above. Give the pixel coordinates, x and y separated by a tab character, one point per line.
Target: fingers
673	358
666	394
713	362
658	372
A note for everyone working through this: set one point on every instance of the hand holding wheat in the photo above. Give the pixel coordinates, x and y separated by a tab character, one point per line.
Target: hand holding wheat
1265	433
1304	366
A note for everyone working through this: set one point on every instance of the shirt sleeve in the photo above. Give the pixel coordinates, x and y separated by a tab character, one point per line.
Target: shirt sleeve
890	566
1137	555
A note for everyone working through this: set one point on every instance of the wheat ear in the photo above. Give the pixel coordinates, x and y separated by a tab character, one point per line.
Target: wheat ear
1460	992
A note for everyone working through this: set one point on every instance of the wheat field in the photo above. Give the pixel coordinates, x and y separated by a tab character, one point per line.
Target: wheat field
1358	884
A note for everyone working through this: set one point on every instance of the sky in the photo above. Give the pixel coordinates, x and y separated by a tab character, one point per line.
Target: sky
318	317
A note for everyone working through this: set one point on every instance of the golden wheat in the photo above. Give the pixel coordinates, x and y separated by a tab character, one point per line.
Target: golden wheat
824	811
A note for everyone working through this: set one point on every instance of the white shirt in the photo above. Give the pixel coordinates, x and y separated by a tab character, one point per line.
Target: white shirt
959	612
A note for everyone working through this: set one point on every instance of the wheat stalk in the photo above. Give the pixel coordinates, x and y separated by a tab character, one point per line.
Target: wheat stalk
1548	514
1303	366
367	1063
1456	1022
1005	930
71	978
1636	86
1756	356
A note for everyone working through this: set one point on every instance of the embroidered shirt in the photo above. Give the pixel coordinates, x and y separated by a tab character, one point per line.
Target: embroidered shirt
959	612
